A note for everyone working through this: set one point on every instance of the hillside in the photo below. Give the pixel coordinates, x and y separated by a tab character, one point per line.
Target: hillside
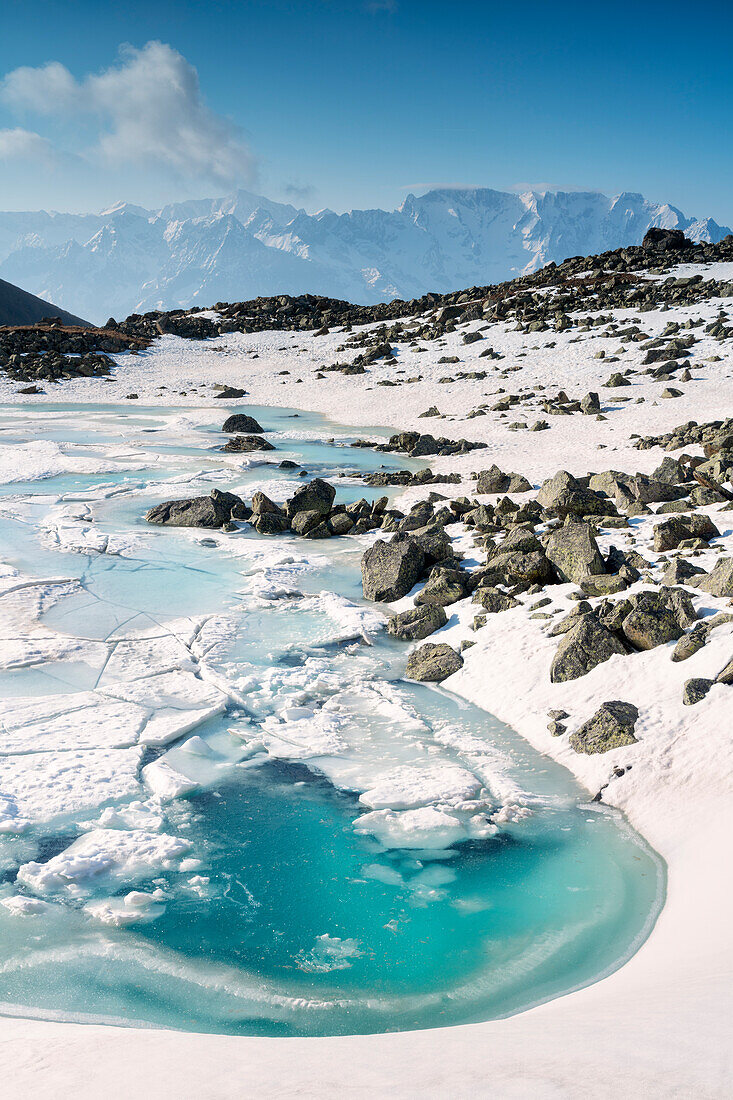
18	307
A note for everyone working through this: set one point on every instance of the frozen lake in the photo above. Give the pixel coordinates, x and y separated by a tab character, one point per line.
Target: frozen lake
221	806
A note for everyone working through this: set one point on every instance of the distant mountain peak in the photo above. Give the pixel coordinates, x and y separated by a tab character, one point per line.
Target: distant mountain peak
242	245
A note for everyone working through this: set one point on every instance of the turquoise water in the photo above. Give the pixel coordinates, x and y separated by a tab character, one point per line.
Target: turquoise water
294	920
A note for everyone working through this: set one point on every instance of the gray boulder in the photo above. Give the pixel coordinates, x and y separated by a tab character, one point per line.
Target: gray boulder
390	569
680	571
695	690
563	495
262	503
669	534
270	523
574	552
303	522
611	727
445	586
719	582
211	512
588	643
523	567
340	523
316	496
433	663
651	621
494	600
417	622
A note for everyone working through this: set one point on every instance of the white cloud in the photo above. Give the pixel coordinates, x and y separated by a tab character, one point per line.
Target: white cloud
150	111
21	144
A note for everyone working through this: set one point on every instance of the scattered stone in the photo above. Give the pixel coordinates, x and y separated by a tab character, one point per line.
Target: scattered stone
417	622
695	690
588	643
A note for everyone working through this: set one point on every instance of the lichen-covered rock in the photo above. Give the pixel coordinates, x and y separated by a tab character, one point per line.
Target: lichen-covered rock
680	571
433	663
719	582
588	643
689	644
523	567
303	522
611	727
445	586
340	523
669	534
651	620
495	480
493	600
417	622
574	552
695	690
390	569
563	495
270	523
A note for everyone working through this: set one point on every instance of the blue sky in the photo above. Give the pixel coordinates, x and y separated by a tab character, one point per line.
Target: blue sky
352	104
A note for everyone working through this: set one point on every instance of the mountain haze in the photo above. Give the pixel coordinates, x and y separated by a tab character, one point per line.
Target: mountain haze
201	251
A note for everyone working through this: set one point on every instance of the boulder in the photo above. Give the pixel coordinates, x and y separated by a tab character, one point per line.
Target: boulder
495	480
611	727
316	496
270	523
303	522
445	586
671	532
695	690
212	511
680	571
523	567
494	600
390	569
241	422
651	621
562	495
340	523
719	582
588	643
417	622
574	552
433	663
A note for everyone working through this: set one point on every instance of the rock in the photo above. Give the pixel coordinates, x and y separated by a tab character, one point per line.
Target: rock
445	586
665	240
340	523
604	584
417	622
590	403
390	569
435	544
212	511
690	643
270	523
230	393
493	600
611	727
719	582
241	422
495	480
262	503
433	663
562	495
725	676
574	552
680	571
651	620
669	534
317	496
588	643
303	522
243	444
523	567
695	690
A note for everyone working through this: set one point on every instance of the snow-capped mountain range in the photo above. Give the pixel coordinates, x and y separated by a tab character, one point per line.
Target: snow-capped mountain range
229	249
